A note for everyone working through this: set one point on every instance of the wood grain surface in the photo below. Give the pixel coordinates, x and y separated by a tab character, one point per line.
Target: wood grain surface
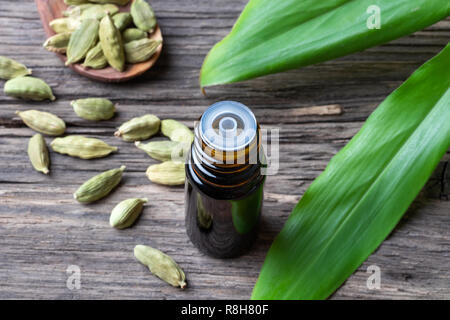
43	230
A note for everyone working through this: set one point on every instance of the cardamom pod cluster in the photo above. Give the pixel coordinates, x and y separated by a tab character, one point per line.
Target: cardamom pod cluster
168	173
161	265
43	122
140	128
173	153
10	69
176	131
99	186
95	109
126	212
82	147
28	88
164	150
95	32
38	154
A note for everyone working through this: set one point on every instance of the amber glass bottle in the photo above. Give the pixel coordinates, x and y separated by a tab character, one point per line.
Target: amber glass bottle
224	185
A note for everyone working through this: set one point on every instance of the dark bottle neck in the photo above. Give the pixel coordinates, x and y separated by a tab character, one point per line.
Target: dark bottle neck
225	175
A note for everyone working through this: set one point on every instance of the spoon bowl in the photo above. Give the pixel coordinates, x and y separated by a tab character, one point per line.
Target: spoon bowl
52	9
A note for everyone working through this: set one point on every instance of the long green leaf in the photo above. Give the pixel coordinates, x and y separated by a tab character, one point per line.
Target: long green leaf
356	202
276	35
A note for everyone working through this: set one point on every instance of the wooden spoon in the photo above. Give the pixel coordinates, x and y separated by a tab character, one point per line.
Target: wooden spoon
52	9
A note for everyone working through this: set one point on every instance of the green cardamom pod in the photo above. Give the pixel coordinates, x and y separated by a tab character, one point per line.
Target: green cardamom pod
132	34
122	20
164	150
99	186
140	128
176	131
118	2
28	88
143	15
95	109
75	11
10	69
95	58
38	154
82	40
126	213
82	147
168	173
58	43
111	42
62	25
43	122
76	2
98	11
161	265
141	50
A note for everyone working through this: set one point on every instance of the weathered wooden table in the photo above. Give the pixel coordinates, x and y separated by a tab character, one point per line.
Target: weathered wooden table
43	230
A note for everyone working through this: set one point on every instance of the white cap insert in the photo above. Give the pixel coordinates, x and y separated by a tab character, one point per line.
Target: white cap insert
228	126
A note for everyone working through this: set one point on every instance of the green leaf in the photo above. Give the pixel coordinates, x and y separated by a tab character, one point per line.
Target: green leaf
272	36
356	202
